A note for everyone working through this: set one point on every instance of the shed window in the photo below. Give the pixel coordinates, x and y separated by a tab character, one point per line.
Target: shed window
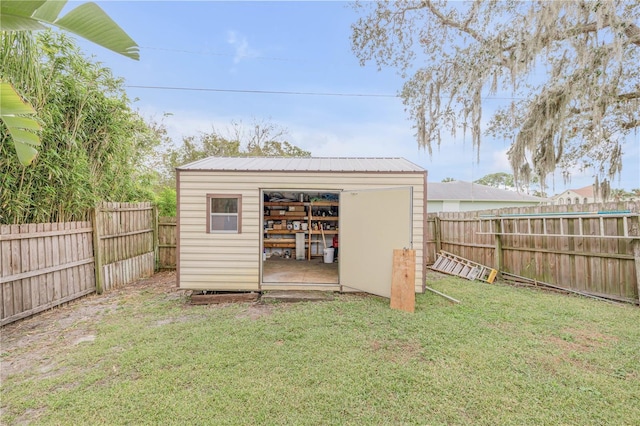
223	213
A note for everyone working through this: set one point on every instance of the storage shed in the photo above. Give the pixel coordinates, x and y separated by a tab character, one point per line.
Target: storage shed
267	223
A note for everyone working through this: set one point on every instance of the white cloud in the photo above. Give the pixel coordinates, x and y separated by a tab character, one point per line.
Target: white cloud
241	45
500	160
354	139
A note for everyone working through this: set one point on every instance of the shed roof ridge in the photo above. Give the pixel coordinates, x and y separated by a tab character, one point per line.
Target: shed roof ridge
309	164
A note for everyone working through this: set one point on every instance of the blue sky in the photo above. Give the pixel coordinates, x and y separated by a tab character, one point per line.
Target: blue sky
293	47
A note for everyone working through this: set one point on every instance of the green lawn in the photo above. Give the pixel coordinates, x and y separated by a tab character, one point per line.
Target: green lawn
503	356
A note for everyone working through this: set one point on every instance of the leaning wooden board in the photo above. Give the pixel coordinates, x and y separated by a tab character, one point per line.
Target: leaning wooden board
403	293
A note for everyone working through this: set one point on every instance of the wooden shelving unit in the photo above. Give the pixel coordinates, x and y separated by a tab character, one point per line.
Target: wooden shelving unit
284	204
321	220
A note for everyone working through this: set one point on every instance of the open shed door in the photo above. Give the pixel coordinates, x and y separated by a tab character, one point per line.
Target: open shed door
372	224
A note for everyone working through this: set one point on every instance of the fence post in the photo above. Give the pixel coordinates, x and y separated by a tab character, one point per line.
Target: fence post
636	257
156	254
634	232
436	227
97	252
498	259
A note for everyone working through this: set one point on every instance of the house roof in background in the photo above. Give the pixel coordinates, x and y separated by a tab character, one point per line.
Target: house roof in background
467	191
305	164
587	191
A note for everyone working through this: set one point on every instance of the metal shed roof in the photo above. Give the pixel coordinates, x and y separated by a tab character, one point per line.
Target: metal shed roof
304	164
467	191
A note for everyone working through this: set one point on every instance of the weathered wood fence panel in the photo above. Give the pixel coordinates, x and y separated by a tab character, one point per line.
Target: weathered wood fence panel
588	252
167	243
44	265
47	264
126	242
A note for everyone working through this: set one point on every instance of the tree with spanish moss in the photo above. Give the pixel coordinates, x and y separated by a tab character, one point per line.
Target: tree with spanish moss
570	69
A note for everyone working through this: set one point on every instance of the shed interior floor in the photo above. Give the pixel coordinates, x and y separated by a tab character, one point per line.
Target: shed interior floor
280	270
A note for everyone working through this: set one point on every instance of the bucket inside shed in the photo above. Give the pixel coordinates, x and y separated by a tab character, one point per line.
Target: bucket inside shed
328	255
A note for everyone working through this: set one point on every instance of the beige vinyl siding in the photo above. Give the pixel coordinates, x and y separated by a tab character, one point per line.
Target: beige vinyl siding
232	261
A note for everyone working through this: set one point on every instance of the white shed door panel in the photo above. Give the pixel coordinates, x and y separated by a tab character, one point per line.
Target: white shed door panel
372	224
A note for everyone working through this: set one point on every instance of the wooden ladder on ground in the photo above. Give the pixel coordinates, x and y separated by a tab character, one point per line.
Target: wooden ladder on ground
455	265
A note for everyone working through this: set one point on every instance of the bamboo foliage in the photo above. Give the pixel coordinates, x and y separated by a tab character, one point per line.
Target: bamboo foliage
87	20
92	142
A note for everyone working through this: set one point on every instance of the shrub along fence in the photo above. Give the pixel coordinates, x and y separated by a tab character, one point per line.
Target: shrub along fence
591	248
47	264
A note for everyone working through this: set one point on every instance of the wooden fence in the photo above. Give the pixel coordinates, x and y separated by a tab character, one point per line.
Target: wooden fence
167	243
125	238
590	248
45	265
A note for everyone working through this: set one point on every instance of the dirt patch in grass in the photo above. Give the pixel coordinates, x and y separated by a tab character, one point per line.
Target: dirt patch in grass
575	342
256	311
399	352
434	275
177	320
29	344
30	416
580	340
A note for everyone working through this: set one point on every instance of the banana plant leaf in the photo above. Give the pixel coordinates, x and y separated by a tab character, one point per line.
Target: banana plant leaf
15	114
87	20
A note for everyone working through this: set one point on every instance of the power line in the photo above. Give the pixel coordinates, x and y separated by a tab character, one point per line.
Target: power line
284	92
264	92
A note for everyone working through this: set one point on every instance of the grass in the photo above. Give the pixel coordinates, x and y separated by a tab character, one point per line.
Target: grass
503	356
